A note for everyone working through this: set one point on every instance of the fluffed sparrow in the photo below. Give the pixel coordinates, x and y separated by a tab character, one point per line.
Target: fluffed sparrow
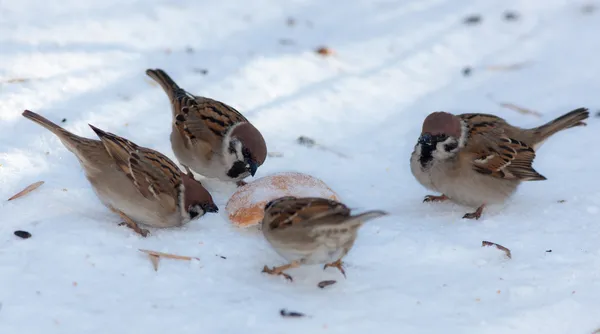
210	137
311	230
480	159
141	185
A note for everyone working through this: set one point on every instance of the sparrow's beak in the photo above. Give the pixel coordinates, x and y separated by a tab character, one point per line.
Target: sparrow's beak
252	167
210	207
425	139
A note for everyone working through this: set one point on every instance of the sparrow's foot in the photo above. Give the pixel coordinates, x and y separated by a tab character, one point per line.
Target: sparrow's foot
241	183
337	264
433	198
278	271
476	214
131	224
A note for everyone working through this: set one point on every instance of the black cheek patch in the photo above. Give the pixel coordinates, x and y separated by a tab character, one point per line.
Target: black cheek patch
238	168
450	147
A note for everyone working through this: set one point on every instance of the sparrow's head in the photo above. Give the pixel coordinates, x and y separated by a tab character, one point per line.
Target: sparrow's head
441	138
244	150
194	200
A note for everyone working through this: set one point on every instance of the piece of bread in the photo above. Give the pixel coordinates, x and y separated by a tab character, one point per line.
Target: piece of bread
246	205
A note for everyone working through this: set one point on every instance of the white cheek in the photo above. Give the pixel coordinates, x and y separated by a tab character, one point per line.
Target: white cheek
440	153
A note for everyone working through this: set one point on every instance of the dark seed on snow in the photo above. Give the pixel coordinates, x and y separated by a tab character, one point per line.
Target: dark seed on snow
23	234
285	313
467	71
302	140
549	251
64	120
323	284
511	16
472	19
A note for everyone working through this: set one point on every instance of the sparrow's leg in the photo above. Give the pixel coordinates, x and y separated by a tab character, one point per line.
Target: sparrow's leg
337	264
130	223
476	214
279	270
241	183
433	198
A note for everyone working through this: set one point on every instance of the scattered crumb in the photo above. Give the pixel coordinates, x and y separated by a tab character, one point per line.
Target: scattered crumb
221	256
275	155
64	189
74	283
290	21
477	299
521	110
472	19
284	313
573	292
286	41
64	120
509	67
27	190
561	201
189	50
511	15
467	71
548	251
498	292
500	247
324	51
17	80
323	284
154	259
23	234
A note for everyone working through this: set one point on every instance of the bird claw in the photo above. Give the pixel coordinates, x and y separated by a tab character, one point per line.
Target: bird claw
433	198
337	264
474	215
278	271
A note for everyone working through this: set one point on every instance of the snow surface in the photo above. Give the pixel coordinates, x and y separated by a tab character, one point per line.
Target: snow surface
421	270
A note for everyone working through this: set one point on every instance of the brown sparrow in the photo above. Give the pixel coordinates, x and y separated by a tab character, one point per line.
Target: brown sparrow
210	137
311	230
141	185
480	159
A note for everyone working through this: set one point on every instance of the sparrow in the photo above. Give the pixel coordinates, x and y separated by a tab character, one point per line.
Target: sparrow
480	159
209	137
139	184
311	230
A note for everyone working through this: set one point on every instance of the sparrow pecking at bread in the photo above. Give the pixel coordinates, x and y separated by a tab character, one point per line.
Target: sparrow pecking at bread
210	137
311	230
480	159
141	185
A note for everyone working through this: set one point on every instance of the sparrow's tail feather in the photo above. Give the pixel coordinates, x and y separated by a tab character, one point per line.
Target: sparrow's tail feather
71	141
568	120
43	121
364	217
165	81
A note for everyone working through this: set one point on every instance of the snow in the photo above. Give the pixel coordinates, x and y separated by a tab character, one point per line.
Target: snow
420	270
